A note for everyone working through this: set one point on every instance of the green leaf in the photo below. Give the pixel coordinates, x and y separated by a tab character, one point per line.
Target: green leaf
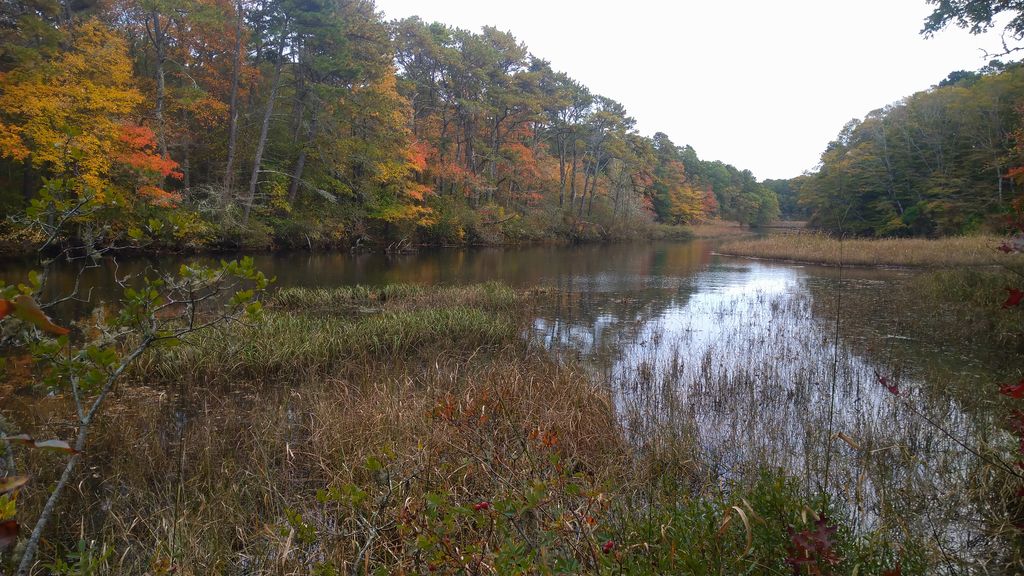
373	464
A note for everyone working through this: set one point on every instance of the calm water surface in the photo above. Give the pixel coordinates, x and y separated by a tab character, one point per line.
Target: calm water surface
737	358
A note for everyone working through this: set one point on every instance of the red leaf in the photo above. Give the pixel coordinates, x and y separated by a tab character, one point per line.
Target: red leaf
1017	422
884	381
1013	390
824	531
8	533
813	548
6	307
1014	299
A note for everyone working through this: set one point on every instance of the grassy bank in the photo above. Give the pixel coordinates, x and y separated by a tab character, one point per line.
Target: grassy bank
719	229
912	252
408	430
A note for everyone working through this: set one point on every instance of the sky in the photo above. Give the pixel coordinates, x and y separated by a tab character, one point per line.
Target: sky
763	85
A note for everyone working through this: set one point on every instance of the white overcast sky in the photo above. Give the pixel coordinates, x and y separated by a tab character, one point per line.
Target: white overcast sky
760	84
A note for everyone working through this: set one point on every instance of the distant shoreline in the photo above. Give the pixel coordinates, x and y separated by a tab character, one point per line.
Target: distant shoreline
818	249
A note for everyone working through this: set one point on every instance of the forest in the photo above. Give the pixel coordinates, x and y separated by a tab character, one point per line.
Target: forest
941	162
211	123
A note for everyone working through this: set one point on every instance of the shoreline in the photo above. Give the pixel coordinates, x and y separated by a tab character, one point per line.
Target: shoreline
882	253
653	233
823	264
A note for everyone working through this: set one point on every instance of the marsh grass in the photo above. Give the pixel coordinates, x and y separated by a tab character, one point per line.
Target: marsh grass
489	296
741	378
947	331
308	333
719	229
415	432
813	248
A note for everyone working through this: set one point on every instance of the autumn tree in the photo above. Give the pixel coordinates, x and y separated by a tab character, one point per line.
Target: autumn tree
71	117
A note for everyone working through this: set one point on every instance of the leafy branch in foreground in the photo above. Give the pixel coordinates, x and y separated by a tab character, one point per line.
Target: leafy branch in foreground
162	310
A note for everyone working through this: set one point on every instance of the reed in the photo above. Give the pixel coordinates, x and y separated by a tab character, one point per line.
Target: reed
418	432
813	248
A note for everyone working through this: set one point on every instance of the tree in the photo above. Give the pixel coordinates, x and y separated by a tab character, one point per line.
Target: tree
937	162
978	16
71	117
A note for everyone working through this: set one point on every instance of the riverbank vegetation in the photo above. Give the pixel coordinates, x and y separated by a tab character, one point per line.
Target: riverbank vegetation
410	429
812	248
202	124
944	161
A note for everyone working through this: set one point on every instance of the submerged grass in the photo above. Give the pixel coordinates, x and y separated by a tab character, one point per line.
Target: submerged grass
816	248
412	430
490	296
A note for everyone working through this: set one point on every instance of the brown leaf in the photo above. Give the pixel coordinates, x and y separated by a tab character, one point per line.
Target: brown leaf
20	439
849	441
8	533
12	483
28	310
58	445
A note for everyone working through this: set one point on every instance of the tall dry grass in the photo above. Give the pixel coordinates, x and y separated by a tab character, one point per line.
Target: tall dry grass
217	457
814	248
404	430
718	229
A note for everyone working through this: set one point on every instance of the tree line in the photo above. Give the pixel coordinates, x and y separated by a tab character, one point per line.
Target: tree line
240	121
947	160
942	161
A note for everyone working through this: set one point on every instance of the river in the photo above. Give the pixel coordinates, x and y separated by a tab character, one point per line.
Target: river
756	364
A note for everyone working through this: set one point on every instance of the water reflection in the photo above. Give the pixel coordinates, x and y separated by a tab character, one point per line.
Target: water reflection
737	358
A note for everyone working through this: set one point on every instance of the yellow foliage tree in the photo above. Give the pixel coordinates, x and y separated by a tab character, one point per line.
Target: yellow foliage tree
67	115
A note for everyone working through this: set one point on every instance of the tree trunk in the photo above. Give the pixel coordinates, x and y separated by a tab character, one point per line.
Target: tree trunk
572	183
300	162
593	190
264	130
236	71
299	102
586	183
999	177
186	166
157	37
561	174
27	180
